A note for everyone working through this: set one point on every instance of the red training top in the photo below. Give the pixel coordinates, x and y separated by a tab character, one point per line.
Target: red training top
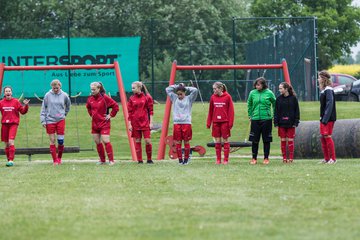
98	107
140	108
221	109
10	110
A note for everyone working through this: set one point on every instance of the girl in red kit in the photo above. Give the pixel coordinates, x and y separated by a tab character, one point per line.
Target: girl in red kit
98	105
10	108
140	107
221	117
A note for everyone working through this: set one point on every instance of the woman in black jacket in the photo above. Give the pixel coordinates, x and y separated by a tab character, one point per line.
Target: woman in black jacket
286	118
327	117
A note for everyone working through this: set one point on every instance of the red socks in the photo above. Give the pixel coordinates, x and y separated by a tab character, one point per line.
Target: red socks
101	152
148	148
226	152
179	151
218	152
53	153
138	151
291	149
330	148
187	150
325	148
11	152
109	151
60	151
283	149
7	153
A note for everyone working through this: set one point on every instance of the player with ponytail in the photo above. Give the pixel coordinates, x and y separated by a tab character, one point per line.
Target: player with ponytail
98	105
221	118
141	111
327	117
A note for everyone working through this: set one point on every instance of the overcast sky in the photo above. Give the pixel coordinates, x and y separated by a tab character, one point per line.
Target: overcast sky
356	48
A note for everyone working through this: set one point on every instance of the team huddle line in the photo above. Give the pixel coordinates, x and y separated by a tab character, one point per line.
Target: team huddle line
264	111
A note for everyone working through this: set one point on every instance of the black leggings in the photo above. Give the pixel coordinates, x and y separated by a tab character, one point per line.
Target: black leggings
255	149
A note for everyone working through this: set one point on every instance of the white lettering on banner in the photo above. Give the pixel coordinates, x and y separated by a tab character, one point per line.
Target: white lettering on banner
59	60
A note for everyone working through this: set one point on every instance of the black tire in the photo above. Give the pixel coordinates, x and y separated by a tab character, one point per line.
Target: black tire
353	98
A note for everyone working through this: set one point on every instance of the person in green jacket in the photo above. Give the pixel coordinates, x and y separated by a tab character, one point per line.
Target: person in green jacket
261	106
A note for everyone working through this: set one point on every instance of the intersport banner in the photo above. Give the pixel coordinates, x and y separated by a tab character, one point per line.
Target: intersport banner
36	52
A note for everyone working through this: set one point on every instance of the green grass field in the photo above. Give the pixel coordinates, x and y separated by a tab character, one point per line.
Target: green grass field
80	200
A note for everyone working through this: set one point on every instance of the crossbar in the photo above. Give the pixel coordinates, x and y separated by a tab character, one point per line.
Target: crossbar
58	67
222	67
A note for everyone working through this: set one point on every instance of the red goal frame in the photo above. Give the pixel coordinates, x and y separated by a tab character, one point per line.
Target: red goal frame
114	66
175	67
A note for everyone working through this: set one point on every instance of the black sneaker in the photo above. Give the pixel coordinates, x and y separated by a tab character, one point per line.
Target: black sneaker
185	162
180	161
149	162
140	162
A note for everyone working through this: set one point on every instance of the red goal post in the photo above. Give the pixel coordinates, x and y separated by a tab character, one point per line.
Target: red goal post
114	66
175	67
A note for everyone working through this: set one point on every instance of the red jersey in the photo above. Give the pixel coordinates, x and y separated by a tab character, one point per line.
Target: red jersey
10	110
221	109
98	107
140	107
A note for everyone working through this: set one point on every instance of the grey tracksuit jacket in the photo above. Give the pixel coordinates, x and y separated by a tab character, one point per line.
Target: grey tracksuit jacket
54	107
182	108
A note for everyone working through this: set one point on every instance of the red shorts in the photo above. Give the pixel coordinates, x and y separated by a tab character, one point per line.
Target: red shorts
286	132
139	133
102	129
182	132
326	129
221	129
8	132
58	128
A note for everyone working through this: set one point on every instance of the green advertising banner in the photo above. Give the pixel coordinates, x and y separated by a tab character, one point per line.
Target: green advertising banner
35	52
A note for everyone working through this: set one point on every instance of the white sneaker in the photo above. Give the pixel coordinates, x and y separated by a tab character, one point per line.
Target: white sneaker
323	161
331	161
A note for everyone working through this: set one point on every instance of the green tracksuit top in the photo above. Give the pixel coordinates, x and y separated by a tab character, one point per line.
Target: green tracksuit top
260	103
